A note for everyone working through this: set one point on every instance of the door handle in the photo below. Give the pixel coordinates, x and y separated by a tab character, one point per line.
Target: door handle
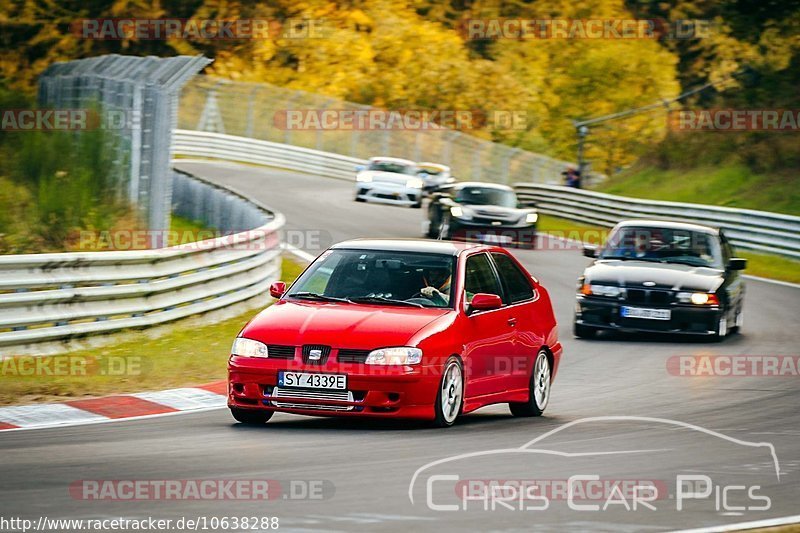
512	322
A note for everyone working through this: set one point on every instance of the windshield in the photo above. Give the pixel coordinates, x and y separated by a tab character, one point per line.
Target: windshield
486	196
381	277
664	245
391	166
432	171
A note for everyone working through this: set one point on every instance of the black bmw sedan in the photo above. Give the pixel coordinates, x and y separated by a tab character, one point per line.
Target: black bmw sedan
664	277
481	212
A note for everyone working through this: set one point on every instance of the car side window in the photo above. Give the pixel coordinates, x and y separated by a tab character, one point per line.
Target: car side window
518	288
479	276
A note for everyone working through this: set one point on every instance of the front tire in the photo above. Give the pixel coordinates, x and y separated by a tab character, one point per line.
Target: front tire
450	398
253	417
538	389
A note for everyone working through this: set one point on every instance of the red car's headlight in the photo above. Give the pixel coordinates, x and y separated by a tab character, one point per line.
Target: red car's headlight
395	356
249	348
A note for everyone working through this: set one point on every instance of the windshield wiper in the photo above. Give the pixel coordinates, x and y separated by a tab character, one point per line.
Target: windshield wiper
383	299
318	297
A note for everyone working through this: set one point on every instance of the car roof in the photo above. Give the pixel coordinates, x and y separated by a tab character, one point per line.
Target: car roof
669	224
393	160
410	245
464	184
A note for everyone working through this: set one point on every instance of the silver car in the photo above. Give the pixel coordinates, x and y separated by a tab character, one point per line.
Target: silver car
389	180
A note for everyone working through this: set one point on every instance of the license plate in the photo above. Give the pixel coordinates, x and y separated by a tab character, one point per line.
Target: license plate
649	314
489	237
312	380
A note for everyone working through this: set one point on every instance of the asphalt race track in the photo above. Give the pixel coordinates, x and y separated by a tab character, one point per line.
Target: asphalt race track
366	468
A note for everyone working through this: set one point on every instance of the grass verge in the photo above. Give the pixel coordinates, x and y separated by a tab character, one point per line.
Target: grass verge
729	186
188	355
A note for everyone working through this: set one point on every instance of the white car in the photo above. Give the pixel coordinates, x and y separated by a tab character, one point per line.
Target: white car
389	180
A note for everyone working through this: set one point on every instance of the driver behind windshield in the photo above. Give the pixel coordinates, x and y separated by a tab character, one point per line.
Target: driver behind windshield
437	286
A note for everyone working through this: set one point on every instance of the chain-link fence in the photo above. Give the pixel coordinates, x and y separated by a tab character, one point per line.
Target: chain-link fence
255	110
137	98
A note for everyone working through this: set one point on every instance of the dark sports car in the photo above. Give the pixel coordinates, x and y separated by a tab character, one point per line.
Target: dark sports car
661	277
481	212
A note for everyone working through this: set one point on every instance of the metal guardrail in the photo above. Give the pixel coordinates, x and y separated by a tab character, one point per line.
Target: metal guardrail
755	230
47	297
245	150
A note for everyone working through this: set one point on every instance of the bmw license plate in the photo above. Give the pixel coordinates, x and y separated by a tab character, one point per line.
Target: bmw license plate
312	380
649	314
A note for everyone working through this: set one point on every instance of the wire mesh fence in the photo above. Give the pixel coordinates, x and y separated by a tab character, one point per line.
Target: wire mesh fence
136	98
255	110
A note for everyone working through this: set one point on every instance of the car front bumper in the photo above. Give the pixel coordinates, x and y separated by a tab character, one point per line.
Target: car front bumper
407	391
523	236
388	193
606	314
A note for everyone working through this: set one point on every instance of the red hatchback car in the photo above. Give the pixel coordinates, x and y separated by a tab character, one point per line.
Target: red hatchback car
399	328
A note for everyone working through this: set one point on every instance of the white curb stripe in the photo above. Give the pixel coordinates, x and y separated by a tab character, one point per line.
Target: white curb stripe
53	414
184	399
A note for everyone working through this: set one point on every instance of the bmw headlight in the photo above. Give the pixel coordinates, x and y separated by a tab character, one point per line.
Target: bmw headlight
609	291
698	298
249	348
531	218
364	178
414	183
459	212
395	356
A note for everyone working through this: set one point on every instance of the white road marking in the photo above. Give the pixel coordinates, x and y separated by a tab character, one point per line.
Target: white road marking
184	399
53	414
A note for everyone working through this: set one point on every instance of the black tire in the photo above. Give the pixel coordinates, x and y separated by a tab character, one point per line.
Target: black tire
417	205
538	389
583	332
251	416
433	229
446	419
357	199
737	321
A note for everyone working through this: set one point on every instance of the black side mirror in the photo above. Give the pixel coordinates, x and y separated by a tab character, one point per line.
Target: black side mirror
737	263
590	250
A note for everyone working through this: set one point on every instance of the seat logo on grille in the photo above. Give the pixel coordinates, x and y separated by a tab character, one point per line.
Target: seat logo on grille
314	355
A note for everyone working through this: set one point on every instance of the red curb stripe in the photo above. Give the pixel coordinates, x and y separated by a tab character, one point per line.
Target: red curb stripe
218	387
4	425
121	406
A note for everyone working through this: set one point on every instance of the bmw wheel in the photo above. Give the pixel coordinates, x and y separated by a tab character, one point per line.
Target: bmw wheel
539	389
450	398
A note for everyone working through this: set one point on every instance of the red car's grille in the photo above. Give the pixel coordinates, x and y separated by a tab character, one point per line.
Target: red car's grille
279	351
347	355
315	354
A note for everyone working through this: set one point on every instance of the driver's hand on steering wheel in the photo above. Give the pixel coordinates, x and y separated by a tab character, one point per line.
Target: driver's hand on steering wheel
428	292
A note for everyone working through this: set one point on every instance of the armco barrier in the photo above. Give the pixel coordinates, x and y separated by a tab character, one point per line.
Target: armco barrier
245	150
48	297
755	230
